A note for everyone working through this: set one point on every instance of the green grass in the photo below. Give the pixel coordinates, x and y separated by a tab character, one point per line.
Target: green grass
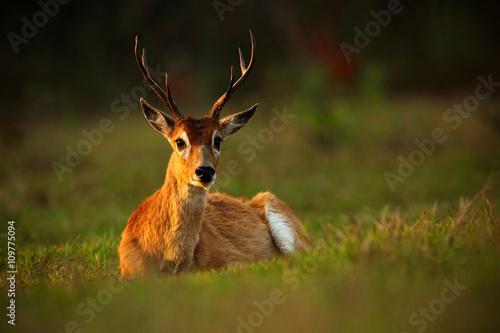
378	258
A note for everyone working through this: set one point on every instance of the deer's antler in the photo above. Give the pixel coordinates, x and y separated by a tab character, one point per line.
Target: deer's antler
166	97
245	71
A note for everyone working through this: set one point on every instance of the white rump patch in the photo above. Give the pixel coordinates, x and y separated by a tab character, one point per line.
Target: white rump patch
281	231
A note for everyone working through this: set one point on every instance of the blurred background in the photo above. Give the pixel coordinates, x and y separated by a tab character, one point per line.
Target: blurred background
355	115
82	57
78	156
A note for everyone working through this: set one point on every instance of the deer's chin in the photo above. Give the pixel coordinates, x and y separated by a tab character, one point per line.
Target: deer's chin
201	184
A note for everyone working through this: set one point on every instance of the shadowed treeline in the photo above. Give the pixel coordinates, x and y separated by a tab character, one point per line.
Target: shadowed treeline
70	56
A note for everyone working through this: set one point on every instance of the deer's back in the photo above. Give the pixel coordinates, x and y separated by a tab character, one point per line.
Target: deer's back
232	230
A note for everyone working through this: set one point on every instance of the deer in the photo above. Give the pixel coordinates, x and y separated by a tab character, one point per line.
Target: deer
183	226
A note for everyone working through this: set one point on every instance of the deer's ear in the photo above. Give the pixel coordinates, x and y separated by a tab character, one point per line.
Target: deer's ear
160	121
232	124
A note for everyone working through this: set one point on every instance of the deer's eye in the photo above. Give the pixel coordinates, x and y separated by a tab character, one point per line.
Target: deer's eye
180	144
217	142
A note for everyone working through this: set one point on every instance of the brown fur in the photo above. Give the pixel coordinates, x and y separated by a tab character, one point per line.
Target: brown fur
183	226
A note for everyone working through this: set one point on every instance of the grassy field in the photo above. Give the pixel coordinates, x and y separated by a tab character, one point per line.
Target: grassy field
423	256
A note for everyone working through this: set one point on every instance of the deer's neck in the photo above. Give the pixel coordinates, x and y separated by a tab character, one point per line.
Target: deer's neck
183	206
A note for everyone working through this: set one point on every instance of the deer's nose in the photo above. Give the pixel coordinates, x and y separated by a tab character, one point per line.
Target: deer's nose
205	173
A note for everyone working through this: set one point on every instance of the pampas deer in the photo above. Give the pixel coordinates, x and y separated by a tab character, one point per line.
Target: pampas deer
183	226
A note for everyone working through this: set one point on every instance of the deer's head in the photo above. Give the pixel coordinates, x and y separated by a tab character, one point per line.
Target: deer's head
196	142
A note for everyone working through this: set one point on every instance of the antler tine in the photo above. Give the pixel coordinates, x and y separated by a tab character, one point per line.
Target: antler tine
242	61
166	97
215	112
171	102
245	71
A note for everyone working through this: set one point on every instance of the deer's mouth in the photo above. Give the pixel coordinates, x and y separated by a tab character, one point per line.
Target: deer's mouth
202	184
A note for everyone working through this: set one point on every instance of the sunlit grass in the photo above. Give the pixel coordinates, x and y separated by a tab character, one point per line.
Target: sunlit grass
378	255
354	267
